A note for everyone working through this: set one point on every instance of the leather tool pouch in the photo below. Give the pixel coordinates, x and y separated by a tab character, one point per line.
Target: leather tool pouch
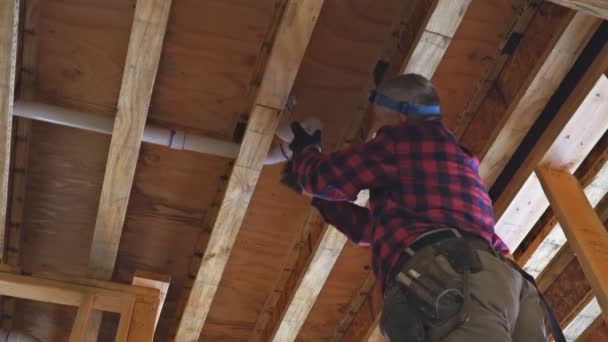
434	282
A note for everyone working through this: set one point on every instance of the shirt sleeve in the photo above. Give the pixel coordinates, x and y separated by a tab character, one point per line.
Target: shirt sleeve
352	220
341	175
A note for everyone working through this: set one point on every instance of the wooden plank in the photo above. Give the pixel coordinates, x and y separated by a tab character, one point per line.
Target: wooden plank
556	239
9	18
124	324
155	281
551	45
589	314
436	37
284	61
82	319
443	20
143	55
592	176
586	233
598	8
564	144
557	265
306	294
354	307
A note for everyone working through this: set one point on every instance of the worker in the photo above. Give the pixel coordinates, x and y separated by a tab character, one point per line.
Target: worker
440	265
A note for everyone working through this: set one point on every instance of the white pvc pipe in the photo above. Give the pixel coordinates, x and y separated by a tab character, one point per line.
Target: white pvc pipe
174	139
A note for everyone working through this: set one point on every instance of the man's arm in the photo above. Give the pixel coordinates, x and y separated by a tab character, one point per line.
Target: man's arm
352	220
341	175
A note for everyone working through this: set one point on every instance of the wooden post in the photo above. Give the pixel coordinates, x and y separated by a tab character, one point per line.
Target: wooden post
82	319
585	231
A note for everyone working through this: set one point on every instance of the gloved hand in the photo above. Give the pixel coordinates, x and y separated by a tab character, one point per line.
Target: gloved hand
289	179
302	139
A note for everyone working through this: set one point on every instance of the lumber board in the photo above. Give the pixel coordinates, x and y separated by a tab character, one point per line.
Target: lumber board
354	307
443	20
313	281
143	55
592	179
555	240
551	44
9	18
598	8
555	268
284	61
156	281
577	127
586	234
82	319
436	37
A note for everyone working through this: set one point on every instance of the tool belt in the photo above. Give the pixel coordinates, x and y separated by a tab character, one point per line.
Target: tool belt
436	287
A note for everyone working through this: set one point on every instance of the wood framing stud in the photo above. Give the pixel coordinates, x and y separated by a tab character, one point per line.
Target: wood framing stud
598	8
143	55
436	37
564	144
284	61
9	17
572	32
586	233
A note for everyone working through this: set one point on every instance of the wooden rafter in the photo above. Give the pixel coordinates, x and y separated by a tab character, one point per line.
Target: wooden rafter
597	8
427	42
21	145
548	238
585	231
9	17
553	42
567	140
143	55
287	52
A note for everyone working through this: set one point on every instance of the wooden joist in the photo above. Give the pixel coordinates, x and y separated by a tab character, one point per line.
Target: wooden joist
585	231
143	55
427	46
9	18
597	8
565	143
284	61
553	42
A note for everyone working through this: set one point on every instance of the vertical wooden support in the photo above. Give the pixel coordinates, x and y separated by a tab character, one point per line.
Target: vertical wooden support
9	17
586	233
154	281
82	319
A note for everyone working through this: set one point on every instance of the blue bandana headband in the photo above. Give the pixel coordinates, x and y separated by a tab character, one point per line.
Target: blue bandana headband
403	107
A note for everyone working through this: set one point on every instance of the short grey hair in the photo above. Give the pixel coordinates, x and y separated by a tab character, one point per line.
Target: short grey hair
411	88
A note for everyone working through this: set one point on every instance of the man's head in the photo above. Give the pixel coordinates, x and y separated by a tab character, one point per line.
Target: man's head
411	88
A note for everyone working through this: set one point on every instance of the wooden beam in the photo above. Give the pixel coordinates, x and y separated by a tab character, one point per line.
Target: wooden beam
284	61
9	18
555	239
440	23
586	233
154	281
592	174
553	42
82	319
574	131
598	8
143	55
436	37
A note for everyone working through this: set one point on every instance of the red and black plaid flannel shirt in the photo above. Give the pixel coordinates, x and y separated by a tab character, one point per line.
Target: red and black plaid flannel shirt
419	178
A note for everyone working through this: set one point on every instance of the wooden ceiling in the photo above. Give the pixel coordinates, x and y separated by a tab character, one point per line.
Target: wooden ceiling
281	273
